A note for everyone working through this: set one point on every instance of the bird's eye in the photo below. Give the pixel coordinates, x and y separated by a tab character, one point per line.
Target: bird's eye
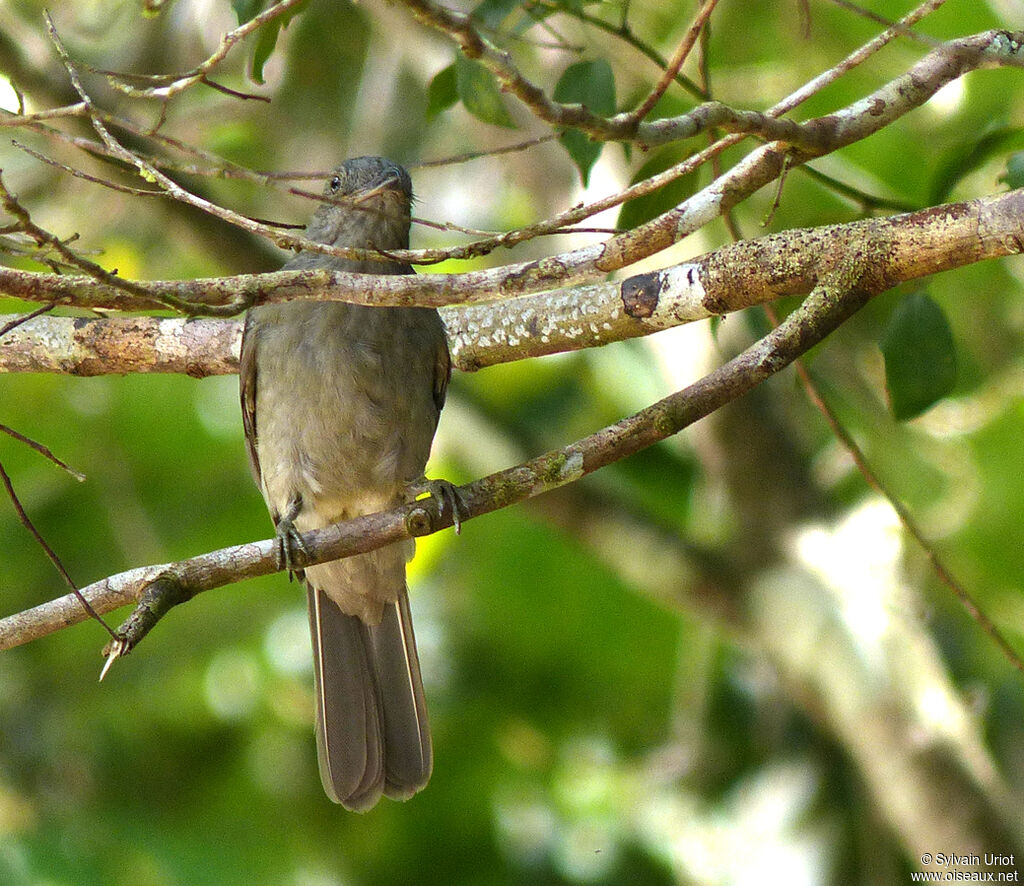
335	184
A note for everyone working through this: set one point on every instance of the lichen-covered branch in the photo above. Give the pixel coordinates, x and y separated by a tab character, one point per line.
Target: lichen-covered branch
729	279
815	137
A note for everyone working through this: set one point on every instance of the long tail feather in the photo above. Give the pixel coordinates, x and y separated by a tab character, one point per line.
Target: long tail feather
372	732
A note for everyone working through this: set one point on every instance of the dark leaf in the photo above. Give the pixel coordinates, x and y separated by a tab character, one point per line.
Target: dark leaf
247	9
479	93
266	39
491	13
966	158
591	84
920	356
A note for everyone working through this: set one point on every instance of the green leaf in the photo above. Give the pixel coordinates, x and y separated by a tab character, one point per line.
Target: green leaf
479	93
491	13
266	39
591	84
920	356
247	9
1014	175
443	91
538	13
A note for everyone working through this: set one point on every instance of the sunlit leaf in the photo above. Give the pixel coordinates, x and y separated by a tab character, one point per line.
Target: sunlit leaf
591	84
479	93
920	356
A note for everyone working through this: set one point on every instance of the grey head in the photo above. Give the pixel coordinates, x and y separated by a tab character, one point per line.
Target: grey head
372	199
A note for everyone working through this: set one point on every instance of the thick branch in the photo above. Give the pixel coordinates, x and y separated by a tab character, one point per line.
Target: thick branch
822	312
731	278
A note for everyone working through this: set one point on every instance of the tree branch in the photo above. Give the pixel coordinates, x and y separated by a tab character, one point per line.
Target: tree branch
795	144
173	84
729	279
847	288
991	47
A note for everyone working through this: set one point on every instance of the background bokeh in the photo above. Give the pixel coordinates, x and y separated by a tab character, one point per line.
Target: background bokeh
718	662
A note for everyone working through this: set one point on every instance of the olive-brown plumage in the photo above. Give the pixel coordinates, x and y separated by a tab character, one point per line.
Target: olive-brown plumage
340	403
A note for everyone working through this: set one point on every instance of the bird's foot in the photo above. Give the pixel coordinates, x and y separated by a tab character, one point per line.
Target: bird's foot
291	550
447	495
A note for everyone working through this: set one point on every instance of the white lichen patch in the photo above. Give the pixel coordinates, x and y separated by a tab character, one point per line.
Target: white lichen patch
681	297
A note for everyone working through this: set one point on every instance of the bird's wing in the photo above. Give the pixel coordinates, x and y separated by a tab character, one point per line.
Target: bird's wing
247	389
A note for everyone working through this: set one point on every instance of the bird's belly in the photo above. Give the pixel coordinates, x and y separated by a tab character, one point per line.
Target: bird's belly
355	428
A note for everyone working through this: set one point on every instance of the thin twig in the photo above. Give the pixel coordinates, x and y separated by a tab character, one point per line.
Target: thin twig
623	32
860	55
39	447
96	180
565	219
45	239
177	83
672	68
234	93
490	152
889	23
24	318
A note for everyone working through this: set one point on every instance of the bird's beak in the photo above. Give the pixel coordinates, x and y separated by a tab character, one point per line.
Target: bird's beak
386	185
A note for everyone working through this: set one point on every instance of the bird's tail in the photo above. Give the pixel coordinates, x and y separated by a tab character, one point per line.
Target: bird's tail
371	723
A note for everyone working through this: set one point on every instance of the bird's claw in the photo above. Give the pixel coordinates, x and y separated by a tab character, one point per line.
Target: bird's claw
448	498
290	546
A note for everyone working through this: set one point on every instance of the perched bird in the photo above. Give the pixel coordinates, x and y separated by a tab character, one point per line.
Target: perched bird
339	404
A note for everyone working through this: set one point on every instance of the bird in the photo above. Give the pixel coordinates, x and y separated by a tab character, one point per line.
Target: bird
340	403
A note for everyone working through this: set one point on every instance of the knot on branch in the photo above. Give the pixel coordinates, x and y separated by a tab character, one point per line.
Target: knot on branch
419	521
157	599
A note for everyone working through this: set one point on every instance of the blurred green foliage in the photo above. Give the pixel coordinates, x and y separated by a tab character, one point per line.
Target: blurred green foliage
603	708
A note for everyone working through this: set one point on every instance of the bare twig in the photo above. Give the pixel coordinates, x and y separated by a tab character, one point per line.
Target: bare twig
178	83
672	68
47	241
43	451
850	124
24	318
906	518
623	32
909	523
491	152
888	23
94	179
